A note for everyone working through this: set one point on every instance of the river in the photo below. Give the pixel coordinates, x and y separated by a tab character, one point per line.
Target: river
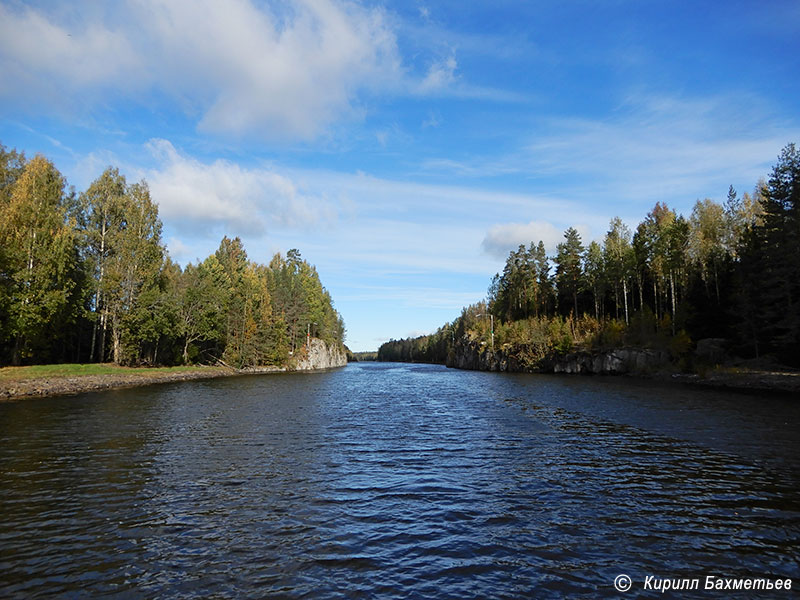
395	481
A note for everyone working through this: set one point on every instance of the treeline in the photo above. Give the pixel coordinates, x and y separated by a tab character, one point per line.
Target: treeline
729	270
85	277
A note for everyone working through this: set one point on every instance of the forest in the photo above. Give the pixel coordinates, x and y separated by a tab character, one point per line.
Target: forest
86	277
729	271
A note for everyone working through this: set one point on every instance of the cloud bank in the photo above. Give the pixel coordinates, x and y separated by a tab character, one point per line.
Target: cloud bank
503	238
272	70
224	195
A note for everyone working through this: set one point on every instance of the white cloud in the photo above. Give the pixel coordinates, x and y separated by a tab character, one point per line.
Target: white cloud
501	239
178	250
441	75
266	70
41	59
662	147
226	195
279	76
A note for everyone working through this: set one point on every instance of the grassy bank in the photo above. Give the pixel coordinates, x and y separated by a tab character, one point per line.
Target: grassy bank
51	380
77	370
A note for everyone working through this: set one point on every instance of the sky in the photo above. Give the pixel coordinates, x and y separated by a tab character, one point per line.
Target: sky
403	147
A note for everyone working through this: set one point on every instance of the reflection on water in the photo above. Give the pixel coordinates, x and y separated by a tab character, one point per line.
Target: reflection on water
393	481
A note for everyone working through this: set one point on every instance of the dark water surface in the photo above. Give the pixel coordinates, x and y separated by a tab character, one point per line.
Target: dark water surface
389	481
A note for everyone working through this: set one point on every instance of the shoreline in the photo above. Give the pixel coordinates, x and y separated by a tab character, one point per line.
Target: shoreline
39	381
70	385
744	381
741	381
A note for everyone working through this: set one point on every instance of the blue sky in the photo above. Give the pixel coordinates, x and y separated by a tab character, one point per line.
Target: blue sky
403	147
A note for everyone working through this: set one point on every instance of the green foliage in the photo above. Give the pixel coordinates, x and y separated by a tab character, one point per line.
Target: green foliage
569	271
39	260
729	271
769	285
612	334
680	345
524	289
89	278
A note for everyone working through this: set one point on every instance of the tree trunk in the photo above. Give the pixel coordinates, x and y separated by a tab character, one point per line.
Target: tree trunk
625	298
596	308
98	307
672	296
94	339
16	356
655	298
116	342
103	327
641	292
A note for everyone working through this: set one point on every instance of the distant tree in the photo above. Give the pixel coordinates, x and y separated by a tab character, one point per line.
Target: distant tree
544	282
569	271
40	258
304	304
104	204
619	261
201	306
12	165
707	241
134	267
741	215
595	274
770	268
660	244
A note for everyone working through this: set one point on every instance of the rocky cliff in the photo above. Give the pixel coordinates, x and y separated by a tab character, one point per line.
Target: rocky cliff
612	362
472	355
321	356
477	356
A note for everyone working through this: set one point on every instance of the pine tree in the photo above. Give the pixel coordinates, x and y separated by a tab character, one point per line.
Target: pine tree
569	272
769	266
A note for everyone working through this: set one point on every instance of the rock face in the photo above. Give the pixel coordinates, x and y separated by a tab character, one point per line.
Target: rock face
614	362
472	355
321	356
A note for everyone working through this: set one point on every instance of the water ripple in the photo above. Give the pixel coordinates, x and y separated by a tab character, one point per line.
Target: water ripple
392	481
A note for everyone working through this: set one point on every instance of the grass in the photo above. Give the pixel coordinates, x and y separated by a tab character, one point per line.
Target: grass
77	370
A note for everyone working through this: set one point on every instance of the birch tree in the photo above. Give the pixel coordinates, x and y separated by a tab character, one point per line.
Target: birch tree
40	259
